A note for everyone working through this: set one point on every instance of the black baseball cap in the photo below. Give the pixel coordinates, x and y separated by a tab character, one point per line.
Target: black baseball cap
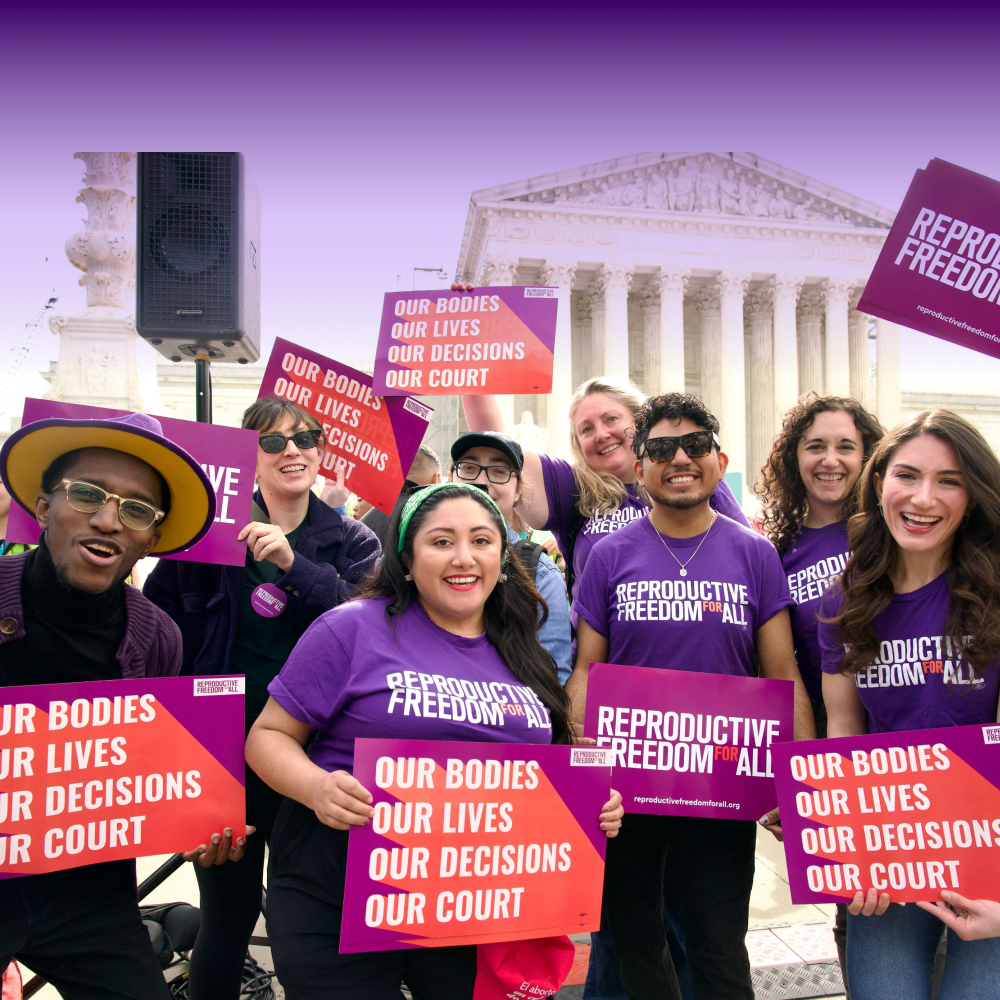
489	439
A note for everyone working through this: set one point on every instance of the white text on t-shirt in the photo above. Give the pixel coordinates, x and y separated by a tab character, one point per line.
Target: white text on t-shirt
681	601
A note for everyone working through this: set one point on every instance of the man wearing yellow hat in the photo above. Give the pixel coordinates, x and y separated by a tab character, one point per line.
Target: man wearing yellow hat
106	493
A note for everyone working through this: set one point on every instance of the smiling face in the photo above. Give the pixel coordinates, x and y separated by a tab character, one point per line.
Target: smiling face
456	561
924	495
291	473
92	552
505	494
601	424
684	482
830	455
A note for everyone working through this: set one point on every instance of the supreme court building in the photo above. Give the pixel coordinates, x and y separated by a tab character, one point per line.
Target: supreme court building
721	274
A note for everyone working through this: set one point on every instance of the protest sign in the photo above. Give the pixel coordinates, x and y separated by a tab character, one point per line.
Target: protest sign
686	743
474	842
227	454
906	813
373	439
105	770
489	340
939	269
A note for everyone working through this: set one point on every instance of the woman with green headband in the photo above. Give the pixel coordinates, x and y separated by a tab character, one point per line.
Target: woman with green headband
442	646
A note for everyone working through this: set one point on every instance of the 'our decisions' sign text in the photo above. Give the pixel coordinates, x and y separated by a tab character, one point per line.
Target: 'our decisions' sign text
685	743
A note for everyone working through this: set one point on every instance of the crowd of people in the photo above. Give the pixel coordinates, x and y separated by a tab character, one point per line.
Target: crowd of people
865	537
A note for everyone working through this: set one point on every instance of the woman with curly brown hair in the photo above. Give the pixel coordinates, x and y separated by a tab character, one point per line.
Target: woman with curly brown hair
807	487
920	594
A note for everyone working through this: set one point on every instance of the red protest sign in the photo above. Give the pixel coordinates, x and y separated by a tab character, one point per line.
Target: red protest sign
906	813
104	770
371	438
489	340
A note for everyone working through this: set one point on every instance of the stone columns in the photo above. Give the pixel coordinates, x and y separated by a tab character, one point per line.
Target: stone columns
598	316
810	316
857	336
560	274
760	381
888	402
732	381
786	354
502	270
664	321
613	362
710	313
837	354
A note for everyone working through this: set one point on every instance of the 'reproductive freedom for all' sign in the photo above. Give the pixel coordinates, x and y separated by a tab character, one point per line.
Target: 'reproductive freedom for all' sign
489	340
474	842
685	743
907	813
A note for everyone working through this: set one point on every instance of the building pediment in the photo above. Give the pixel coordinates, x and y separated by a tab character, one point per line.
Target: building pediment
714	184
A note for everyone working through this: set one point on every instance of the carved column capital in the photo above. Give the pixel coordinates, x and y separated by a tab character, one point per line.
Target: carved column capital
707	299
499	269
837	291
856	293
733	284
760	302
787	287
671	282
560	273
811	302
616	278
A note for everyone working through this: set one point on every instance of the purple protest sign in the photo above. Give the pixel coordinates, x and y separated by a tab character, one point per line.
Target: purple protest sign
686	743
939	269
481	841
227	454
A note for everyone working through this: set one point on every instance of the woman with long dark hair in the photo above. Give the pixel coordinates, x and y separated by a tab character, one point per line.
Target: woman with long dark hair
924	572
448	599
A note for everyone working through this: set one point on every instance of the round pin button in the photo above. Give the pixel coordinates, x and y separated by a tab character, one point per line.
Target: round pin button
268	600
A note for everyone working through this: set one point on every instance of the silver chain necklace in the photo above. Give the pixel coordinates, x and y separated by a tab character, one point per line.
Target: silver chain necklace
683	571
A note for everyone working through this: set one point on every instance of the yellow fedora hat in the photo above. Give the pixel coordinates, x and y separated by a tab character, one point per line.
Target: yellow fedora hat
31	449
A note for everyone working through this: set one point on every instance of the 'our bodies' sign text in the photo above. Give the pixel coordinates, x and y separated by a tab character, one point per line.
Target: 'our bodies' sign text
104	770
907	813
686	743
489	340
474	842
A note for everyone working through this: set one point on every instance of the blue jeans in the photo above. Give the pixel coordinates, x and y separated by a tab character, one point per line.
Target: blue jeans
891	958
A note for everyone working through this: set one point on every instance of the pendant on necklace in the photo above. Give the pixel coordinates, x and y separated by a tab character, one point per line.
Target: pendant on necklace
684	572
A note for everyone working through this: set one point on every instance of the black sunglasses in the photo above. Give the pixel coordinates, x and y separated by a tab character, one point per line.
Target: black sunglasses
273	444
697	444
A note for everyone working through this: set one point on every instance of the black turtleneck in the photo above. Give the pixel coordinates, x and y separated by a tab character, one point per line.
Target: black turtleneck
70	635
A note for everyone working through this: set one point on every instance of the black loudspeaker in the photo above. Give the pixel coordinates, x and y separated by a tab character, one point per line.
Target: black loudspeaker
198	256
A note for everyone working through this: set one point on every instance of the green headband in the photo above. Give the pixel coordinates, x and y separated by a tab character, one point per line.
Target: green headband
425	492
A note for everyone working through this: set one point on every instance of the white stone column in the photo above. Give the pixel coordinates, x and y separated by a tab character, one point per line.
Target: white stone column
613	359
810	316
837	352
707	301
732	410
501	270
857	336
760	379
786	353
560	274
888	401
664	342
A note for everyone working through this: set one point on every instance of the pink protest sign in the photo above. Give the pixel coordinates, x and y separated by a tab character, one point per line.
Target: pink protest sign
474	842
372	438
685	743
907	813
227	454
939	269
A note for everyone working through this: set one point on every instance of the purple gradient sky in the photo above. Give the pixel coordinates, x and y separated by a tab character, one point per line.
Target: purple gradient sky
366	137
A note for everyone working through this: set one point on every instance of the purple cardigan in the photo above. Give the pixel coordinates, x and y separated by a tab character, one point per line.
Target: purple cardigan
152	643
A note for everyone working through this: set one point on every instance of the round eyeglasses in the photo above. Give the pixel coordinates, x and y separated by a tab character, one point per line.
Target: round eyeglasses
89	499
496	474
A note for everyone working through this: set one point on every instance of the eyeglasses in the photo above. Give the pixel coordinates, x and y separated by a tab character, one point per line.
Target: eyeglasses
89	499
697	444
274	444
496	474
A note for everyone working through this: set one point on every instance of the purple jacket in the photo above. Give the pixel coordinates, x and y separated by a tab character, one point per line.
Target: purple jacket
332	556
152	643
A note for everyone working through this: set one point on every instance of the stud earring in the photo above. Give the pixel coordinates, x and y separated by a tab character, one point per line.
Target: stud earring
408	578
502	578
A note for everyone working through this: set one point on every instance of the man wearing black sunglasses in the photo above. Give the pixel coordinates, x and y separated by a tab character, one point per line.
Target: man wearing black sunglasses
642	601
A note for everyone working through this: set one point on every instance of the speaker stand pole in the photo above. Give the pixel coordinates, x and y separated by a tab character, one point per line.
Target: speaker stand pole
203	389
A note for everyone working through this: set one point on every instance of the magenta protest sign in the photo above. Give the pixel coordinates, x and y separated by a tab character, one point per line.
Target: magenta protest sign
686	743
371	438
474	842
227	454
907	813
939	269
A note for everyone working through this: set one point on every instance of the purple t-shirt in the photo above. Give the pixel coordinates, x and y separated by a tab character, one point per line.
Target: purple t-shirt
817	558
914	683
633	594
350	675
560	487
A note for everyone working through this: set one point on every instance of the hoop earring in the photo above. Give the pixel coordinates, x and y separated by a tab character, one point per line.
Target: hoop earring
408	578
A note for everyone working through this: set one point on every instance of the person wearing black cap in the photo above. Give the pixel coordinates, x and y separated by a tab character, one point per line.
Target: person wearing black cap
495	461
106	493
